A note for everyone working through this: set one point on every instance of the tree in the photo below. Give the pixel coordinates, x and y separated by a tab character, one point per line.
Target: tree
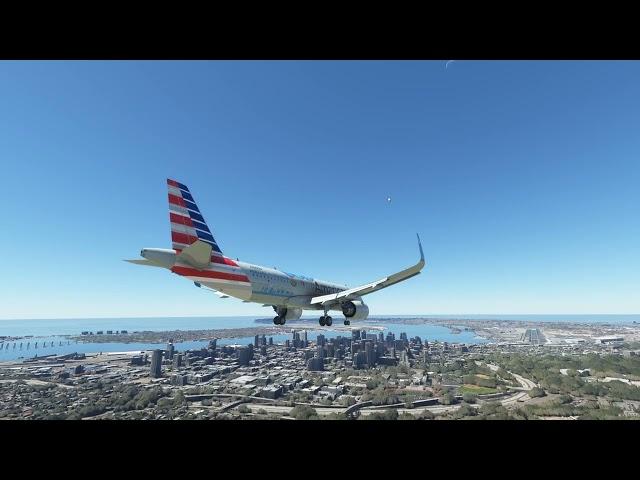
244	409
448	399
536	392
390	414
303	412
427	415
179	399
469	397
347	401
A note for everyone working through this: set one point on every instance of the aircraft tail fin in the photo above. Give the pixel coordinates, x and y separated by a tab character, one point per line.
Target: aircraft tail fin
187	223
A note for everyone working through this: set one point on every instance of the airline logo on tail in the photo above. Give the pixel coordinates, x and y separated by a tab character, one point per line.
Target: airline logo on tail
187	223
191	239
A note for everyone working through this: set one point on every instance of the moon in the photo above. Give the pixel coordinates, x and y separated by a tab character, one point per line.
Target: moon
447	64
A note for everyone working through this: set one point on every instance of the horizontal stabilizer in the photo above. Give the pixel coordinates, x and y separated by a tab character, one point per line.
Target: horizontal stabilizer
198	254
144	261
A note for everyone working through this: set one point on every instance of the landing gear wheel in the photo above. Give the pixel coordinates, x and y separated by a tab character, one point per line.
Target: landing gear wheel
321	321
276	320
347	322
328	321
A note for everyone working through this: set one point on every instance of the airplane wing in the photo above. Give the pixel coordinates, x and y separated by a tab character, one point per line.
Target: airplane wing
354	293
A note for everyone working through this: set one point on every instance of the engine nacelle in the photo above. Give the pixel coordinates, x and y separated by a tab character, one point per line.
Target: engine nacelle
289	313
355	310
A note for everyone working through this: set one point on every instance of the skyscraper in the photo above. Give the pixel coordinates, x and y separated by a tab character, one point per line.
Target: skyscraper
169	351
315	364
256	341
245	354
370	354
156	364
320	340
330	350
177	360
404	358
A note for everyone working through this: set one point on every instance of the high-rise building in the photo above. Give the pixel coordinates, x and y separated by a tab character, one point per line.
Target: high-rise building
256	341
270	340
370	354
320	351
320	340
355	335
304	338
359	360
403	336
245	354
156	364
404	358
381	337
213	344
315	364
263	350
168	354
263	340
177	360
330	350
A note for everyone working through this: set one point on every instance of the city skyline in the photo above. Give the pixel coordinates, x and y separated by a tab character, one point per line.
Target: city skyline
520	178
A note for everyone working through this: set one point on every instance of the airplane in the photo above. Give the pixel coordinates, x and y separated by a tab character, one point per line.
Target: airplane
196	256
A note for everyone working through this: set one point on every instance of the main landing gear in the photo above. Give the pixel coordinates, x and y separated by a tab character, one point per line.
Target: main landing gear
347	322
326	320
281	313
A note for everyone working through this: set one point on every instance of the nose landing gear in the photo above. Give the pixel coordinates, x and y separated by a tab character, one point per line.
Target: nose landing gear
325	320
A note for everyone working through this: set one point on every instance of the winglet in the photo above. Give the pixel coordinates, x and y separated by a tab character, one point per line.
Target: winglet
420	246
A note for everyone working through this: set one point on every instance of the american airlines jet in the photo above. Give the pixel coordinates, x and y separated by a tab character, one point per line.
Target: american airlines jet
196	256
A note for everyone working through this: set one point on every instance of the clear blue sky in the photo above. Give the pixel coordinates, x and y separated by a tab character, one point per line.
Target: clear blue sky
523	179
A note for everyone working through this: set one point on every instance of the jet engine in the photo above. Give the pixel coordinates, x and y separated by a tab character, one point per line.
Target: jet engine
289	313
355	310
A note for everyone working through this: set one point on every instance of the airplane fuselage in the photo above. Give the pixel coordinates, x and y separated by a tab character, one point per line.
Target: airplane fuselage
247	281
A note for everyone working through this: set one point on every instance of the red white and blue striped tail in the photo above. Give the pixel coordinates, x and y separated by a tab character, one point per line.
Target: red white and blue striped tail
187	223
